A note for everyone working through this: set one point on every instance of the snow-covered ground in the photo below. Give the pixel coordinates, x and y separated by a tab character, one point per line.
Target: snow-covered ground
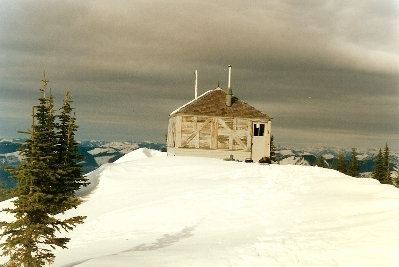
150	210
101	160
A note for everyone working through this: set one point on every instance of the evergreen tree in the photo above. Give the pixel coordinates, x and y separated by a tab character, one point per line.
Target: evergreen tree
396	179
353	168
31	237
70	176
387	171
272	149
320	162
379	170
340	164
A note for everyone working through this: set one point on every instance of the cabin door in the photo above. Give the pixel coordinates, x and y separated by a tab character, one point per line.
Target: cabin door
258	141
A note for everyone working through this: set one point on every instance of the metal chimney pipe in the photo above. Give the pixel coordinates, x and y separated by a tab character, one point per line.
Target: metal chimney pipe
196	84
229	94
229	82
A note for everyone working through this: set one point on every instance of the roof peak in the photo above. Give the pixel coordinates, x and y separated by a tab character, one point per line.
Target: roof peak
213	103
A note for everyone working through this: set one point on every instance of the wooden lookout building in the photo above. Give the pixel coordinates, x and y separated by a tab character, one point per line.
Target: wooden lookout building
219	125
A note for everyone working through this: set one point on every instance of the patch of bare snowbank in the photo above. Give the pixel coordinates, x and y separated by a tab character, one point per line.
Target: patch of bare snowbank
94	176
141	153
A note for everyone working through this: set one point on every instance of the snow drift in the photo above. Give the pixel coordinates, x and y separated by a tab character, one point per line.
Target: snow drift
150	210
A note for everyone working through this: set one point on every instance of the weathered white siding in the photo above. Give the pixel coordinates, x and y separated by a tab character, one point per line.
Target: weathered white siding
217	153
217	137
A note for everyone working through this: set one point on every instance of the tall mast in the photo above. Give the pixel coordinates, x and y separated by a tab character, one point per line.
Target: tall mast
196	84
229	94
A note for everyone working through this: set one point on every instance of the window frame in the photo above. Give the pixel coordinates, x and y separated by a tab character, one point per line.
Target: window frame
259	129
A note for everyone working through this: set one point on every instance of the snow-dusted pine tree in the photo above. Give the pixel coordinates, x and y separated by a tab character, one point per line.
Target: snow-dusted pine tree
29	240
69	172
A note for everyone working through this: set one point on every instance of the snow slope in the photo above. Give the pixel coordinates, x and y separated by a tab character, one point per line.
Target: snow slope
151	210
141	153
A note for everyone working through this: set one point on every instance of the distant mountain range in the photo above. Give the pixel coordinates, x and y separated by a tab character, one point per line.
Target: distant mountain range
307	156
97	153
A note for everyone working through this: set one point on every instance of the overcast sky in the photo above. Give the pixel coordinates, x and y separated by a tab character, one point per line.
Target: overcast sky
326	71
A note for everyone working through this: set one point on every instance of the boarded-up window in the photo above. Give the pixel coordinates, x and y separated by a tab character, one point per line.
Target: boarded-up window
242	125
205	136
223	142
240	145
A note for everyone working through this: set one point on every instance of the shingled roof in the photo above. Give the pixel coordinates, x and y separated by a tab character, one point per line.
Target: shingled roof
213	103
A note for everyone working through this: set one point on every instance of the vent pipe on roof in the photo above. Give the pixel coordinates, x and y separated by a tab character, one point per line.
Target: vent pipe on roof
196	84
229	82
229	94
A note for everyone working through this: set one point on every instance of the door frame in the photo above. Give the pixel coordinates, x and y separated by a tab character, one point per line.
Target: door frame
261	141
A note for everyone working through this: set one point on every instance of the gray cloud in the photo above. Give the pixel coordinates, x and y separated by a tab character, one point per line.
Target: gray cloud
325	69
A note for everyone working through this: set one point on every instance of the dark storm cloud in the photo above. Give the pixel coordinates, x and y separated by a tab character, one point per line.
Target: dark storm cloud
329	67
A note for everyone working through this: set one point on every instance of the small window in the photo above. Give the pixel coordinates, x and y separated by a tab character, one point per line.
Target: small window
259	129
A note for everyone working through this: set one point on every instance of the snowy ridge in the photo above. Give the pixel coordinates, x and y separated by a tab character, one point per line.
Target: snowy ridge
141	153
17	155
286	152
98	150
151	210
293	160
122	147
